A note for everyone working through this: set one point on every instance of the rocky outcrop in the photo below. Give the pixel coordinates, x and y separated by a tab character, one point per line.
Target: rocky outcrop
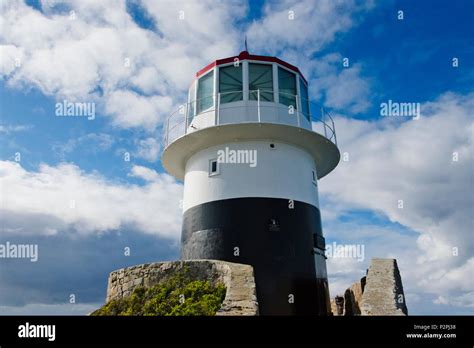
383	294
380	292
240	298
337	306
353	298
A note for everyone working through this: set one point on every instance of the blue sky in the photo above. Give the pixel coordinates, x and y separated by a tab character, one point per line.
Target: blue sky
134	203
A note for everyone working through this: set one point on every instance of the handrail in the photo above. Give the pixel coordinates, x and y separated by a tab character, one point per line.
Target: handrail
181	117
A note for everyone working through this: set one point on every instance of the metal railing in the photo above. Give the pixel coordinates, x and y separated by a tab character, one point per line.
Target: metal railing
179	122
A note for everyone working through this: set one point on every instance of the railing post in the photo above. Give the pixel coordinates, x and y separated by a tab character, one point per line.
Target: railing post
324	123
258	104
298	111
186	118
167	131
218	108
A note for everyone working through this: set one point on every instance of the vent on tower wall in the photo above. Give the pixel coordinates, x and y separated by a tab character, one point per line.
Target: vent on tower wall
273	225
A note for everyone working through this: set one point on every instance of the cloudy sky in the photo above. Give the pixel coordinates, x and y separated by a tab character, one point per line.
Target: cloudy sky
67	184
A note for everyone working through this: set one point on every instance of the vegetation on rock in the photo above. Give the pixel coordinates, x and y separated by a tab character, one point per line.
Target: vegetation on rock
177	296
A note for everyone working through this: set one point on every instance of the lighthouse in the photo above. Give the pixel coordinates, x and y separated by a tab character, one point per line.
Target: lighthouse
250	148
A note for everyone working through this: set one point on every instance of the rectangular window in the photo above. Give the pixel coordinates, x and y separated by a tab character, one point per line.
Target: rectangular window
205	97
304	99
230	83
313	173
261	78
287	86
213	167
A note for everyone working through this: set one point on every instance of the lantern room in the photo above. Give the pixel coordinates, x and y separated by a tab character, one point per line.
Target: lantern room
248	88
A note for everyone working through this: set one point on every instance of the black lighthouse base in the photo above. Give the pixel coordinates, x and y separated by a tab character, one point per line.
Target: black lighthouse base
281	239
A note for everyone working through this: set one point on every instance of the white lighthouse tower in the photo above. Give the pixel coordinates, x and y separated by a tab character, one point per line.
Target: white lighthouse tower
245	147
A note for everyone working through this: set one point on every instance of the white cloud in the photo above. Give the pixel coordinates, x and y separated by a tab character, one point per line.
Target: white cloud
144	173
465	300
219	36
92	142
130	109
413	161
11	57
340	88
104	56
7	129
64	197
314	24
148	149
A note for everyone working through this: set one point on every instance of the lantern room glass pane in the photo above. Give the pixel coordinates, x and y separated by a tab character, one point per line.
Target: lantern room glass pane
304	99
205	93
230	83
191	102
261	78
287	86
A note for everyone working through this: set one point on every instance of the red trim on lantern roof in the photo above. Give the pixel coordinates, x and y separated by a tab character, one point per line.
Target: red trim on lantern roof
244	55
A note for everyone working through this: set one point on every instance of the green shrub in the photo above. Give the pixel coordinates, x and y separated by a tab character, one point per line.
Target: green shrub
178	295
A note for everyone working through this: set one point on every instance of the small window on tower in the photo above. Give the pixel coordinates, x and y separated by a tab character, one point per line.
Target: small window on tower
213	167
314	177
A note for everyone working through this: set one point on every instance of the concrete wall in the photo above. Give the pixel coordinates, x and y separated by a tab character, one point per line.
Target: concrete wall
378	293
383	294
240	299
